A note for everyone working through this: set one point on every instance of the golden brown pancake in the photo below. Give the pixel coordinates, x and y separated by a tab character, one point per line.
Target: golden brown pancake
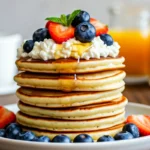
94	134
102	81
58	99
70	65
69	125
77	113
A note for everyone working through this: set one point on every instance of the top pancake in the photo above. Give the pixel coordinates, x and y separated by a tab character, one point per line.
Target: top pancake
70	65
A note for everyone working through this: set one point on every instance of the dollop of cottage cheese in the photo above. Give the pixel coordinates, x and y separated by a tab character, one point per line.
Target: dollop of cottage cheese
48	49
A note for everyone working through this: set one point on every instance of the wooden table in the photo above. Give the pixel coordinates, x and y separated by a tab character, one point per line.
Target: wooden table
137	94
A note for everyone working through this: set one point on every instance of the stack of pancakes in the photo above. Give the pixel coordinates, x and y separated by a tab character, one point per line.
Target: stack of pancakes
69	96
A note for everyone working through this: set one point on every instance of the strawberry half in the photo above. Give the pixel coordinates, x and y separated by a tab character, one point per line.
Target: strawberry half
100	27
47	24
60	33
142	122
6	117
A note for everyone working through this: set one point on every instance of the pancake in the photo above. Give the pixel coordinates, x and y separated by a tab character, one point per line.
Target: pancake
57	99
77	113
70	65
94	134
69	125
101	81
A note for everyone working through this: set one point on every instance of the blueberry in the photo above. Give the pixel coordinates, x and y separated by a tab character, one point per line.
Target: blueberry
83	16
133	129
45	139
105	138
2	132
61	139
12	131
83	138
123	136
41	34
28	46
85	32
107	39
26	136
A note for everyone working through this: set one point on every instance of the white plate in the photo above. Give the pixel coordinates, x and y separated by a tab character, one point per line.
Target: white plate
142	143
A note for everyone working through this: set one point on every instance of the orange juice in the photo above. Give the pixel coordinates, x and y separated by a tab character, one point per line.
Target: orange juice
135	47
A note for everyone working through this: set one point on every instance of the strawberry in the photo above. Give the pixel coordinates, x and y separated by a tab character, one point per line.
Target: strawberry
47	24
6	117
60	33
142	122
100	27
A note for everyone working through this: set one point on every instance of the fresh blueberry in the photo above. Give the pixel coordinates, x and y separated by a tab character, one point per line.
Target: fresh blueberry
133	129
83	138
41	34
26	136
85	32
12	131
28	46
83	16
107	39
123	136
2	132
106	138
61	139
45	139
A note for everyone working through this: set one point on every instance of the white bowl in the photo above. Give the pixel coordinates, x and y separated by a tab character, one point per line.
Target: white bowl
142	143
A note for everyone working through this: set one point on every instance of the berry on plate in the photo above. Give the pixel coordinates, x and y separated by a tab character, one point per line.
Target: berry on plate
26	136
132	128
142	122
85	32
83	16
60	33
28	46
41	34
123	136
61	139
100	27
12	131
83	138
106	138
107	39
45	139
6	117
2	132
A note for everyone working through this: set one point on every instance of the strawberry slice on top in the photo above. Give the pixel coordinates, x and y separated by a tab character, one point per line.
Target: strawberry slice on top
60	33
100	27
6	117
142	122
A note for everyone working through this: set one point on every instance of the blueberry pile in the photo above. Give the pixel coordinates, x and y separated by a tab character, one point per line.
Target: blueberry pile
14	131
38	35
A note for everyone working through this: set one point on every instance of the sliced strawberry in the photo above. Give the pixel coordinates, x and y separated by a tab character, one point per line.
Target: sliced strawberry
6	117
100	27
47	24
142	122
60	33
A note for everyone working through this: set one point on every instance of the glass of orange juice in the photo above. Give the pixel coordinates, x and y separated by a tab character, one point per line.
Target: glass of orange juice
129	26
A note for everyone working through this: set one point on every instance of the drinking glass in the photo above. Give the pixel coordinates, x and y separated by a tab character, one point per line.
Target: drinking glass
129	26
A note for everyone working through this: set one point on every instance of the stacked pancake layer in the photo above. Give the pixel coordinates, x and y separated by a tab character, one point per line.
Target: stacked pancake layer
71	97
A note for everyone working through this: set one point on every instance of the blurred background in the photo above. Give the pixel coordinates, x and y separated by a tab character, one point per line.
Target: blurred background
128	21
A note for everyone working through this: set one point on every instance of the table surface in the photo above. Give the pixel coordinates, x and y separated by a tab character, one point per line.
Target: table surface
136	93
